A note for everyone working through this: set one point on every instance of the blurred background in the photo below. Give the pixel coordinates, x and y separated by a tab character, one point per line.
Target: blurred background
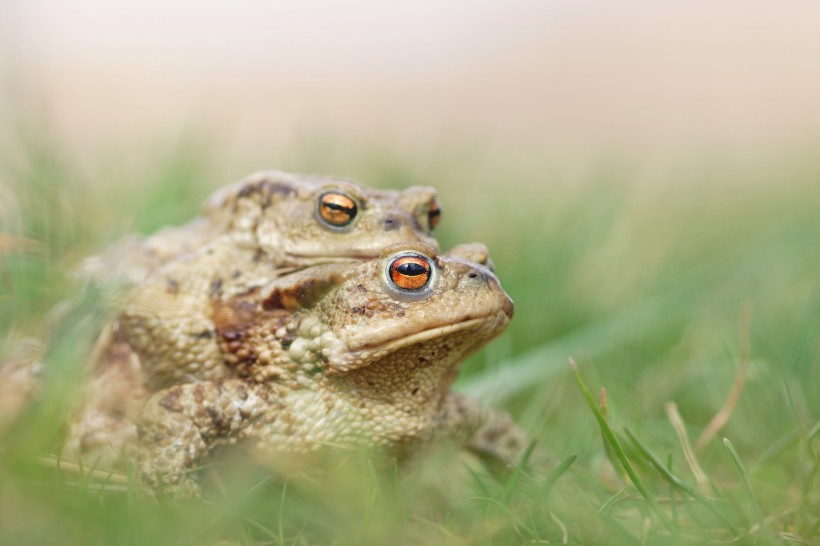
645	174
558	84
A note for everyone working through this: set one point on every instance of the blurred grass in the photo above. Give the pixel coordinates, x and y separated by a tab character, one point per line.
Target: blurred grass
639	274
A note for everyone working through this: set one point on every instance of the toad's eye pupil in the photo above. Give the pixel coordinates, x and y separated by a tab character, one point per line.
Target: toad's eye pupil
337	209
434	215
410	272
411	269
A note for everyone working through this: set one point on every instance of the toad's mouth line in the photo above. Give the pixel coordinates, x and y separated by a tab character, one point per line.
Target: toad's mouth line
300	262
339	256
393	344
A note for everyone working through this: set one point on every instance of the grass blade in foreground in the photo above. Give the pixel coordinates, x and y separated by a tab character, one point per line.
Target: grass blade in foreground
619	452
558	472
677	482
748	484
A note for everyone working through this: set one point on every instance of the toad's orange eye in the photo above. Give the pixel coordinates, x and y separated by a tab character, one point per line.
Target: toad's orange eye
337	209
410	272
433	215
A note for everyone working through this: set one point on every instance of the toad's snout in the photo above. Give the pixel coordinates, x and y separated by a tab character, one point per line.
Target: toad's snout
508	307
486	279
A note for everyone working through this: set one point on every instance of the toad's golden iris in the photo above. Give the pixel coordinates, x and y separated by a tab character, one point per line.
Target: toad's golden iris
337	209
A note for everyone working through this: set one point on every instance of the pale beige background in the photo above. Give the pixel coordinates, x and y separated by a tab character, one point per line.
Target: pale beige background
555	81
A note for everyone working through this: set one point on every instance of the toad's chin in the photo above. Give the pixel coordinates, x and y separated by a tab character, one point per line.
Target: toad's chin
481	330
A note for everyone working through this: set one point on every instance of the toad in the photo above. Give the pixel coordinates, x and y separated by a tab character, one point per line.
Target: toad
334	355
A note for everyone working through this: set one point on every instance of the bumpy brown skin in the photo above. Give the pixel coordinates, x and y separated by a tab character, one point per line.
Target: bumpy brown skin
337	355
249	233
271	216
269	226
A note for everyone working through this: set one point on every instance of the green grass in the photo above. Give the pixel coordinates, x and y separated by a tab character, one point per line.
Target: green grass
659	291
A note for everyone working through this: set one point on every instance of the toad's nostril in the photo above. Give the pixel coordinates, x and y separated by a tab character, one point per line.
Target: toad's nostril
391	222
473	275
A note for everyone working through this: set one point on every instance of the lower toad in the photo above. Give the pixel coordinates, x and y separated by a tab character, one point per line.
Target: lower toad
334	355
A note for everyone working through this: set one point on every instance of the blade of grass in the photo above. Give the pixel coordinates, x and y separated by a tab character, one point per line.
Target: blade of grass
677	482
557	473
479	481
722	416
673	505
131	494
780	445
680	429
504	509
813	433
611	500
64	466
619	452
517	472
564	532
280	522
747	482
610	455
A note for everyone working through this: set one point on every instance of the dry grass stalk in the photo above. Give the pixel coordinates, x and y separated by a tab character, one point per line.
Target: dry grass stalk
107	476
722	417
680	428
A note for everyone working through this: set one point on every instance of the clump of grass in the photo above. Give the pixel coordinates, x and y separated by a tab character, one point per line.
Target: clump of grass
728	524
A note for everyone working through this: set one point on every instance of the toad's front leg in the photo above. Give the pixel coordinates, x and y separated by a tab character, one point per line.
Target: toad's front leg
489	433
179	426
